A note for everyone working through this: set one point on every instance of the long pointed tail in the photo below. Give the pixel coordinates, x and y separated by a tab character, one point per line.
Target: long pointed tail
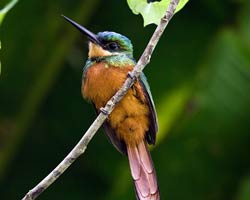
143	172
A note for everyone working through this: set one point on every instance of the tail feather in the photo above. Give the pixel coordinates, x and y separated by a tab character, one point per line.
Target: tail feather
143	172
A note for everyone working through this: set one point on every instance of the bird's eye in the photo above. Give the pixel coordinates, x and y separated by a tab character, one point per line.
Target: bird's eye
113	46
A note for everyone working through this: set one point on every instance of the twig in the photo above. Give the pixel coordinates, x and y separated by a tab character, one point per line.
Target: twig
133	75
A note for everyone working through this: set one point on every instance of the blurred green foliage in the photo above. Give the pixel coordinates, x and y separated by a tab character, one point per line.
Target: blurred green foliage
6	9
199	77
3	12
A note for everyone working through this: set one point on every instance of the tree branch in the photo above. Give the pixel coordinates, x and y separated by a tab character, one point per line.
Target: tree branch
132	77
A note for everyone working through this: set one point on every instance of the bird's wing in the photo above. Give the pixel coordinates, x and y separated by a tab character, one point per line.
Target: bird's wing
110	133
153	128
118	144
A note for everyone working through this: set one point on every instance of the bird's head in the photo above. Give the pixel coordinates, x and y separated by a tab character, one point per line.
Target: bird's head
105	43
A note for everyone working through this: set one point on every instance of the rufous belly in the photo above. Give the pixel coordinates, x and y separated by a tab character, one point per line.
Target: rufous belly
130	118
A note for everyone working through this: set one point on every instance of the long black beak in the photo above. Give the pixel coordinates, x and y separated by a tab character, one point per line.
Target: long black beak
92	37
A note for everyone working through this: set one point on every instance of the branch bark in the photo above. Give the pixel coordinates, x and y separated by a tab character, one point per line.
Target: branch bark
132	76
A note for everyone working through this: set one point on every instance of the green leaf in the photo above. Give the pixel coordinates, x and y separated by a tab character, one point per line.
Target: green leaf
3	12
154	11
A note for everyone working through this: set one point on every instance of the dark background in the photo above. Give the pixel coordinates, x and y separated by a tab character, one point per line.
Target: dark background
199	76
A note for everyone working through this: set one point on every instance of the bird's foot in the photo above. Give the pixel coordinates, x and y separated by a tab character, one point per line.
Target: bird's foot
104	111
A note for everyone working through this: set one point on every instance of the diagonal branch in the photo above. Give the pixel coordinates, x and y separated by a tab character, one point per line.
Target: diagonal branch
132	76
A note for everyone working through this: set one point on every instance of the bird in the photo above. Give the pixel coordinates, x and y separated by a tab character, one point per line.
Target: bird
133	124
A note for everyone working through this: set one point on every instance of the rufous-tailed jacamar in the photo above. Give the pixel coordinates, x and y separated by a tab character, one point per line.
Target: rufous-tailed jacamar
133	122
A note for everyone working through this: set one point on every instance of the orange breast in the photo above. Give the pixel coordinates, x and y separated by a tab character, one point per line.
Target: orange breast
101	82
130	117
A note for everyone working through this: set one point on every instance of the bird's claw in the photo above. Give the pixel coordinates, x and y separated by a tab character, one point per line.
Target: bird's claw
131	75
104	111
